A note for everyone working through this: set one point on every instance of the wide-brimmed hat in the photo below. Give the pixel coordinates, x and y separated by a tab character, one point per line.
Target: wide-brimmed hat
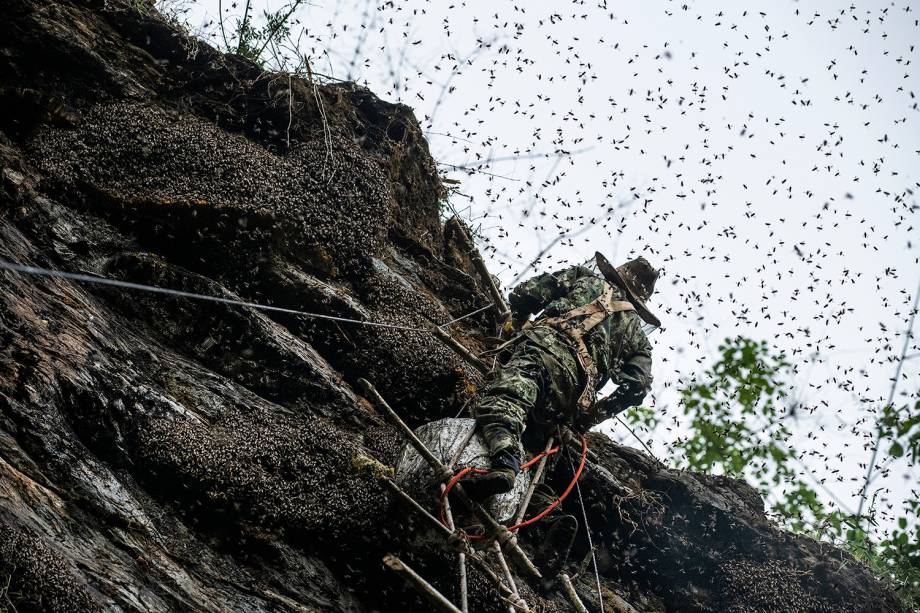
636	278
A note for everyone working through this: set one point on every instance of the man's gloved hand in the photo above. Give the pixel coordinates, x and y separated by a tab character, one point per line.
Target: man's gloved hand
601	410
584	422
516	321
587	420
614	404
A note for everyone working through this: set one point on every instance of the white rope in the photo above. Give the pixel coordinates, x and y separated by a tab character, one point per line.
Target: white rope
584	515
641	442
44	272
327	132
462	317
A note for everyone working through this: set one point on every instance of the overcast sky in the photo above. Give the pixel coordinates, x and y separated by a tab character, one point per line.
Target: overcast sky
766	159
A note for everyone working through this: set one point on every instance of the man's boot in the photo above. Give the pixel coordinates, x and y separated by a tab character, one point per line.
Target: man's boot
500	479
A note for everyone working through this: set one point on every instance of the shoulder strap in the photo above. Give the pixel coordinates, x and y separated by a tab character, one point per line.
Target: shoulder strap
575	324
582	319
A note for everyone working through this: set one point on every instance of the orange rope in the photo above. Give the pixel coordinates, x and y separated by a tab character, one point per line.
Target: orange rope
538	457
462	473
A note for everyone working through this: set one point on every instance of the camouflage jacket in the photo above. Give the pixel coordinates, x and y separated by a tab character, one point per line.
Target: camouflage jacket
618	345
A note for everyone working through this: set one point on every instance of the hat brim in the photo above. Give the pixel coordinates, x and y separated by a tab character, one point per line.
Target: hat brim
613	277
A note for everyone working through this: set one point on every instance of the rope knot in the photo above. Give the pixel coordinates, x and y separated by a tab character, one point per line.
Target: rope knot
504	537
457	542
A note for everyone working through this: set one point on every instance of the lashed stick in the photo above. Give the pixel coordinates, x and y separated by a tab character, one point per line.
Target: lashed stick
460	350
569	590
520	602
534	481
461	557
501	307
464	596
435	597
481	564
443	473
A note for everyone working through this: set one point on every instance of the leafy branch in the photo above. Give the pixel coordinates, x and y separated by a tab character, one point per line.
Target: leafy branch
252	40
736	412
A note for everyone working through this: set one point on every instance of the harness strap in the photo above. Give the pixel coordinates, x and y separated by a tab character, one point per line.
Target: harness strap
576	324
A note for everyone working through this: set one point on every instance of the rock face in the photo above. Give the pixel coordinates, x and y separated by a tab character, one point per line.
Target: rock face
159	453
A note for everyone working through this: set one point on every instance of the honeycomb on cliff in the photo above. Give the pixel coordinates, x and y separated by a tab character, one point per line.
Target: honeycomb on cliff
38	577
276	470
153	163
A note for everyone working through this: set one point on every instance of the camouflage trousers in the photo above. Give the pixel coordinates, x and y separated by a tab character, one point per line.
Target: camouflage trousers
538	386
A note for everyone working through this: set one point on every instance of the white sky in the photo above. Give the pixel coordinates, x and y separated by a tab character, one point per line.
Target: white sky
766	159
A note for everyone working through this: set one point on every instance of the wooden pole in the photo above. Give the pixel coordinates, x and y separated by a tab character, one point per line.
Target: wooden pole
534	481
443	473
498	301
462	447
464	591
460	350
569	590
461	557
435	597
504	537
409	500
519	603
481	564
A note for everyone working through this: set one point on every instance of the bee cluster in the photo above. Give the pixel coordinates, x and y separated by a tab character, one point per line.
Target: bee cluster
414	370
749	585
193	181
326	206
225	205
42	578
281	472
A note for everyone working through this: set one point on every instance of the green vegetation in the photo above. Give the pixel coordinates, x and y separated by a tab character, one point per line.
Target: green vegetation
260	39
266	37
736	416
737	411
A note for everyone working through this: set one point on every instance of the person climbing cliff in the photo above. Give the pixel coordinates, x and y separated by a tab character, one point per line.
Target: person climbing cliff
589	332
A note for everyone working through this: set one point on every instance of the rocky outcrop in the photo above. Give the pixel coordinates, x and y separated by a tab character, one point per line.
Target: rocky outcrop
161	453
